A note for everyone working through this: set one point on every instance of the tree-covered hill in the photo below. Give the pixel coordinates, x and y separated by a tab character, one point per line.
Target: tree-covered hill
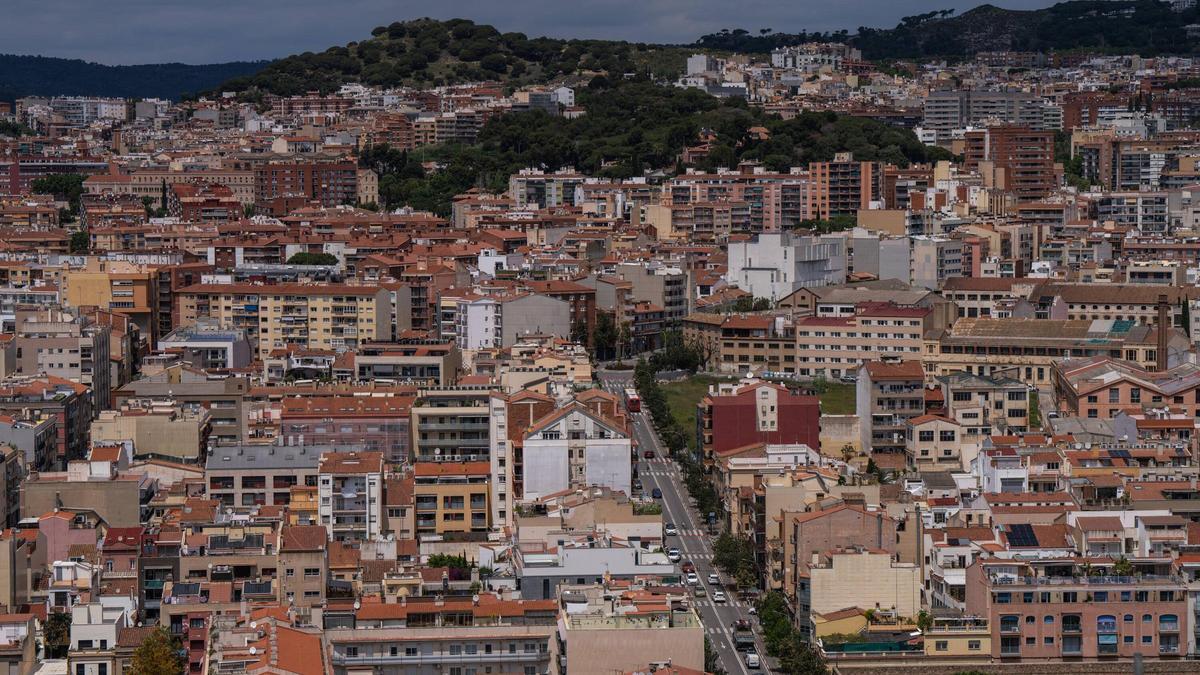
427	52
632	127
1146	27
46	76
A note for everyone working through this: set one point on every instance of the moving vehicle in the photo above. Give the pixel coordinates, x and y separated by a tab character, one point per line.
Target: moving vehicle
669	528
699	591
741	625
656	493
692	579
633	402
744	642
687	566
714	578
719	596
649	454
673	555
752	661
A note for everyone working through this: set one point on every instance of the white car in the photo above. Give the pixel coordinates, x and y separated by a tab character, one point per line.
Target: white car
692	579
673	555
714	579
670	529
752	661
719	596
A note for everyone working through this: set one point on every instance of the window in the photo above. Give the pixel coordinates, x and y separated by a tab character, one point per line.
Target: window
312	571
925	436
1114	395
941	645
1049	618
1135	395
973	645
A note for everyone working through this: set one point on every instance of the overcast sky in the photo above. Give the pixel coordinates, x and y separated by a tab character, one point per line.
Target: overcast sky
208	31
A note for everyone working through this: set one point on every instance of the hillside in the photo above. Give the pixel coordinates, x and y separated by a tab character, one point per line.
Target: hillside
46	76
633	126
1145	27
425	52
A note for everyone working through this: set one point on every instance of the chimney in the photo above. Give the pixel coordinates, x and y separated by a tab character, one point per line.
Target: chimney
1164	325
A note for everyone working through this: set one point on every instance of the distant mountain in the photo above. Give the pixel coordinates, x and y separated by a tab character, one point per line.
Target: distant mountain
1146	27
46	76
427	52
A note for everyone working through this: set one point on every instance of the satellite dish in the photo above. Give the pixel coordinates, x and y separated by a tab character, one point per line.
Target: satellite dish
357	604
475	598
253	651
254	624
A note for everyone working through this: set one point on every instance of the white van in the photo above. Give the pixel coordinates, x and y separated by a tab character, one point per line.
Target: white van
752	661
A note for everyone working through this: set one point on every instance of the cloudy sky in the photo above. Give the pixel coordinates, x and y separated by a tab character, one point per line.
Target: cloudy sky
207	31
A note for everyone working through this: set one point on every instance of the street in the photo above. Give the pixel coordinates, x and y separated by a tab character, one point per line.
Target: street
692	541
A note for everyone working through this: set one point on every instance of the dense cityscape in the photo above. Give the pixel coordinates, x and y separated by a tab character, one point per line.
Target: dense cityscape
460	352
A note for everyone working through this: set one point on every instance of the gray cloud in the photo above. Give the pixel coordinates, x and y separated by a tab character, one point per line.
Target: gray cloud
155	31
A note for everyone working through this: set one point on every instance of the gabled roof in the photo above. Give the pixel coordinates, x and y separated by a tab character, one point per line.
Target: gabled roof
576	406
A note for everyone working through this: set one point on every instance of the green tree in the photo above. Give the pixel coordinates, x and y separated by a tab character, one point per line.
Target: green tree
58	634
159	654
604	337
65	187
305	258
1123	567
80	241
447	560
924	621
249	210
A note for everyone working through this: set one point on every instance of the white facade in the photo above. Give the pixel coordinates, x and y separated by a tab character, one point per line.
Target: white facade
351	506
478	323
774	264
577	449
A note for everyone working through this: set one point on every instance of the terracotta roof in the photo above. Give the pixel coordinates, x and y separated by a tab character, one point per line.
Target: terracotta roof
303	538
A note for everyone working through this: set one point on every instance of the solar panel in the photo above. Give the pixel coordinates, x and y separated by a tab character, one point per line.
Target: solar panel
256	588
1022	535
185	589
1120	454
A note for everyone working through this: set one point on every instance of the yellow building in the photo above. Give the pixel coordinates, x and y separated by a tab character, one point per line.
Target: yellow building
300	315
122	287
958	637
302	505
452	497
849	621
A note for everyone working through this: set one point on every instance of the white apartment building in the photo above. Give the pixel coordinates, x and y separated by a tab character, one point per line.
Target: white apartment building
774	264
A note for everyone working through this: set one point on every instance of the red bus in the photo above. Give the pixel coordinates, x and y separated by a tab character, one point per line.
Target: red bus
633	402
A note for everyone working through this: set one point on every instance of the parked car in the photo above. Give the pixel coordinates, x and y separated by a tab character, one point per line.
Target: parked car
656	493
719	596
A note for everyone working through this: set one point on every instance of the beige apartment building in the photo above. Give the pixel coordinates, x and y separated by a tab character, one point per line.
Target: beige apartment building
835	346
161	429
118	286
932	443
869	579
304	316
156	183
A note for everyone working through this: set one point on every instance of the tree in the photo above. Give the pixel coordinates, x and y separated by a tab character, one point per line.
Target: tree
159	654
327	259
58	634
447	560
249	210
65	187
1185	314
1123	567
604	336
924	621
80	241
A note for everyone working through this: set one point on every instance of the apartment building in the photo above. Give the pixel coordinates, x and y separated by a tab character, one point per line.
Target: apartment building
1046	609
328	181
374	423
71	347
34	437
422	361
207	346
733	416
860	577
834	347
1029	348
530	188
1118	302
246	476
576	447
663	285
843	186
599	634
327	316
450	425
157	429
948	110
350	487
1015	159
69	404
222	396
933	443
417	635
451	497
120	498
772	265
120	287
985	405
887	396
1103	387
1147	211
